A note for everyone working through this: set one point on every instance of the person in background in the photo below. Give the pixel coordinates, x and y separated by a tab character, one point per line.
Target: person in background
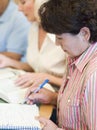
14	29
75	24
45	60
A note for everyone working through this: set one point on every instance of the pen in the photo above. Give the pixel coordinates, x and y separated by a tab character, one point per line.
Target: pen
36	90
41	86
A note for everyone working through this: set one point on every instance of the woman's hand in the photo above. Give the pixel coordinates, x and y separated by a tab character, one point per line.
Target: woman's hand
31	79
44	96
47	124
4	61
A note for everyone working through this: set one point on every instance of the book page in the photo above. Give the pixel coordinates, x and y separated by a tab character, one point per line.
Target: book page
8	90
19	116
9	73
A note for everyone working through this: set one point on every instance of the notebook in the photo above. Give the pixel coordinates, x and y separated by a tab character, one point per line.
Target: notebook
19	117
9	92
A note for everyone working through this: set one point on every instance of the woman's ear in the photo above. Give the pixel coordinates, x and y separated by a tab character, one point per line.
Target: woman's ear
85	33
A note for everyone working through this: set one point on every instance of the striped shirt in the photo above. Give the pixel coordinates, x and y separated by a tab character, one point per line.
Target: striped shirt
77	99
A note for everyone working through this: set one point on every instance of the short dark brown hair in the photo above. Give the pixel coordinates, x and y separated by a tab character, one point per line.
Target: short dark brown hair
69	16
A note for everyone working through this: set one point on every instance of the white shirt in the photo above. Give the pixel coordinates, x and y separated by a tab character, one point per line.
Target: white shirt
50	58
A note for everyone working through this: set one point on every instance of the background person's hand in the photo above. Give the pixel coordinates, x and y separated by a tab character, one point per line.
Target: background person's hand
30	79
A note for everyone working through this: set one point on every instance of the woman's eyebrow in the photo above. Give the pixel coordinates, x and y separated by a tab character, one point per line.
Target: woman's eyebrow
58	37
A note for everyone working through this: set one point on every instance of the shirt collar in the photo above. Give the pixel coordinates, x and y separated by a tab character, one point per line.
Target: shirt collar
52	37
81	61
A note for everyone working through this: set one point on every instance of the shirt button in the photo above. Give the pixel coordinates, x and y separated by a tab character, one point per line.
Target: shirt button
68	100
37	70
68	77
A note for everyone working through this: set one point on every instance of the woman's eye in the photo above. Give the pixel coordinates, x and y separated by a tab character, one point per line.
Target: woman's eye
59	39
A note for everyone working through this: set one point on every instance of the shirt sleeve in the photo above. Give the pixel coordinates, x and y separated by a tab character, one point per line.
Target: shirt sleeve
18	38
91	102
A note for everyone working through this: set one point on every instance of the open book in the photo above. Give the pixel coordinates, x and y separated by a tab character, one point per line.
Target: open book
19	117
8	90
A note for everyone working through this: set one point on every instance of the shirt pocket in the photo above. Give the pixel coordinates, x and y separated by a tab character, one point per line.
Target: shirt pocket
72	113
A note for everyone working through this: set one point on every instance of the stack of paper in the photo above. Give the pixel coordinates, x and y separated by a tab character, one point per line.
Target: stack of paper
19	117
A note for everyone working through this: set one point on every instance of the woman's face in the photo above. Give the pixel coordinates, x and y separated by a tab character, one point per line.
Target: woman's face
27	7
73	45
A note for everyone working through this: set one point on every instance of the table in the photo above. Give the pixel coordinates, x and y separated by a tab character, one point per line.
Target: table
46	110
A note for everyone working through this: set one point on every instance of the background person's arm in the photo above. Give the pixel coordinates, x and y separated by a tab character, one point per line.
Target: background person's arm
9	62
12	55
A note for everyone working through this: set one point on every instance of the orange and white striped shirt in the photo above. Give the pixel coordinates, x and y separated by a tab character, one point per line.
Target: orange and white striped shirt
77	99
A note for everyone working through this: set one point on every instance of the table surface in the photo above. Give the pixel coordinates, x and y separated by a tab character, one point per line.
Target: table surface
46	110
